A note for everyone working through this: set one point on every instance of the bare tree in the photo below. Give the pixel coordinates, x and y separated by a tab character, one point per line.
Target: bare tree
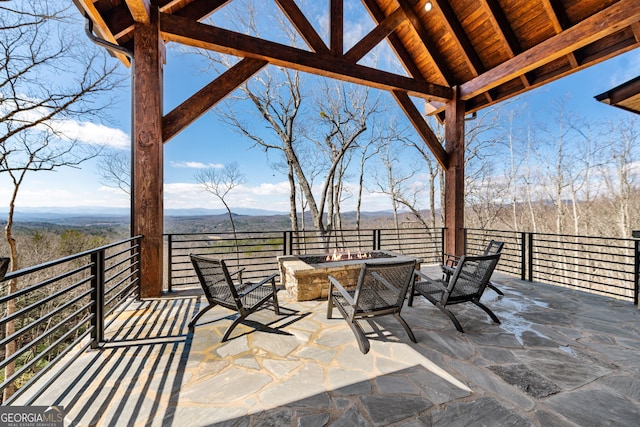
622	172
220	182
35	45
114	168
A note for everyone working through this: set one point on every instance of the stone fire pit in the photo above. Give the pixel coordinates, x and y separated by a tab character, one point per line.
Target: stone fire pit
305	276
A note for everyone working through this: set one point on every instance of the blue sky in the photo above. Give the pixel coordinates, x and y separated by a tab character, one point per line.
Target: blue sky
209	143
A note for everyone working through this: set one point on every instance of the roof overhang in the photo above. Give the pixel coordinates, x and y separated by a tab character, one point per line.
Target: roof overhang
625	96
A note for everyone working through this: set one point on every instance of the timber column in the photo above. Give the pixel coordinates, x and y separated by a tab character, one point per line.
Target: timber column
454	176
147	151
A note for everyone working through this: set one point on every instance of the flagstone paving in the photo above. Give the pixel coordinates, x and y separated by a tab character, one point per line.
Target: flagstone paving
559	358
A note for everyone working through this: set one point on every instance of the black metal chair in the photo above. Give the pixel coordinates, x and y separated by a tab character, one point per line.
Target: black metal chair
219	289
381	289
451	261
467	284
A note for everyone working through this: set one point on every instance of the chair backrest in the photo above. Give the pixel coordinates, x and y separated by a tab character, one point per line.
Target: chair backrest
470	277
493	248
389	282
215	280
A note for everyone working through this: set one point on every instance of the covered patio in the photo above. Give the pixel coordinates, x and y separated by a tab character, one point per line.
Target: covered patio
560	357
458	57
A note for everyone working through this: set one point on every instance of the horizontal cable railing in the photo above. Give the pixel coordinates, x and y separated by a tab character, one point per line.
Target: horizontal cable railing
49	310
602	265
607	266
257	252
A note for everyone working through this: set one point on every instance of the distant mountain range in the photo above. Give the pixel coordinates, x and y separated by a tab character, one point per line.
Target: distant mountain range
80	213
57	213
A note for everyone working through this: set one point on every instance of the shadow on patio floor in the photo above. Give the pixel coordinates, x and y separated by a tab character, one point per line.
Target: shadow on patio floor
560	357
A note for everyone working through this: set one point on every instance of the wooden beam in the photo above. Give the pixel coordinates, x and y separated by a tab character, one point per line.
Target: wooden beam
147	179
455	29
139	10
426	39
423	128
188	32
200	102
608	21
503	29
560	22
302	24
396	44
336	26
375	36
454	177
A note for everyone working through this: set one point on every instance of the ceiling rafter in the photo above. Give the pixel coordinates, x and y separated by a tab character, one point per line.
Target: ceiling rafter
200	102
336	30
396	44
599	25
375	36
509	39
431	49
140	10
453	24
560	21
302	24
468	51
188	32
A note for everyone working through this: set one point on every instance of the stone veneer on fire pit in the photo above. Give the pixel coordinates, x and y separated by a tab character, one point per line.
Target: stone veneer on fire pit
305	281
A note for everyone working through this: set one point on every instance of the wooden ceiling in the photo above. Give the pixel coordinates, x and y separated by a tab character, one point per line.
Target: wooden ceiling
490	50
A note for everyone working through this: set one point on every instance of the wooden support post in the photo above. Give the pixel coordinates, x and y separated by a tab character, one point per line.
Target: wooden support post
454	175
147	174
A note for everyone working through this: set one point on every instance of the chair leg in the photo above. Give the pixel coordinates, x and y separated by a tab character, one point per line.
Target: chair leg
235	323
411	291
276	306
199	315
492	286
330	307
487	310
451	316
363	341
406	327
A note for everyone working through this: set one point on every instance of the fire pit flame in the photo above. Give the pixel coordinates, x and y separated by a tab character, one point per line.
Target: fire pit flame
338	256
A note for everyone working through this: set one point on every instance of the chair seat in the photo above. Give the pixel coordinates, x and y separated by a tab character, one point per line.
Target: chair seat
370	301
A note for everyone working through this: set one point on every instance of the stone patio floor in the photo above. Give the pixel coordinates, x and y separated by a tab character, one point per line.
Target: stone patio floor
559	358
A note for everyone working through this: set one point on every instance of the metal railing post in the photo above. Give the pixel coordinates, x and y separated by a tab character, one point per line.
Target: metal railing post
97	307
523	255
464	245
530	263
636	272
169	264
442	234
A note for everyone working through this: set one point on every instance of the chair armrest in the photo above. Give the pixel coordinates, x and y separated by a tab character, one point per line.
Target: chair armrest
341	289
236	272
451	260
427	279
422	275
256	285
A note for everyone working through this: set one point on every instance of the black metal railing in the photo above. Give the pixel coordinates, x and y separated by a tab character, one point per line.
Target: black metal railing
256	252
602	265
59	307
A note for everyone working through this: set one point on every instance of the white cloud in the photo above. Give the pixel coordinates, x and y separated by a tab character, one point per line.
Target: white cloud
92	133
195	165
